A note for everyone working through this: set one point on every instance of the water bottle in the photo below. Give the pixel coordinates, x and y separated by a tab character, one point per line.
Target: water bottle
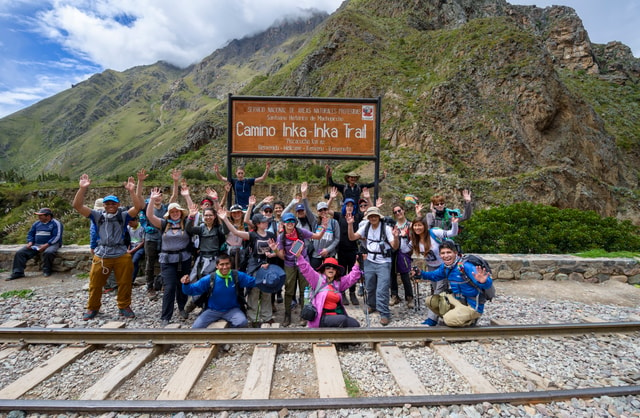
307	293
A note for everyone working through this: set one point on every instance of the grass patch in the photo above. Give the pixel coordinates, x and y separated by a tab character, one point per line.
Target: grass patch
604	254
82	275
352	387
23	294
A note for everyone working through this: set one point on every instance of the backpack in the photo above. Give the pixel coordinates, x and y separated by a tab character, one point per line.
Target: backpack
385	247
126	237
484	294
201	300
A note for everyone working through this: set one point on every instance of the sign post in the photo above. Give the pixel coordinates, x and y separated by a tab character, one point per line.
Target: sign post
304	127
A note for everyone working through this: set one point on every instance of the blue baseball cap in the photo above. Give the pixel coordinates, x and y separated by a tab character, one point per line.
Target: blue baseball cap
111	198
288	217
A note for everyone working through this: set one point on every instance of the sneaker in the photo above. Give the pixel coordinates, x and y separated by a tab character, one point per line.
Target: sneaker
394	300
354	299
164	323
345	301
46	273
127	312
294	303
430	322
109	290
384	321
14	276
89	314
410	303
361	291
371	310
183	314
152	294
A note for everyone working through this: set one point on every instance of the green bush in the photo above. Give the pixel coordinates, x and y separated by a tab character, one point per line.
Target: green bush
525	228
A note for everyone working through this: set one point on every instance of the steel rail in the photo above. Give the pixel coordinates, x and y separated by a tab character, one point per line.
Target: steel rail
55	406
148	336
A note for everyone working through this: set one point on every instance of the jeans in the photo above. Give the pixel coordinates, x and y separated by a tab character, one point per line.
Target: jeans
137	256
376	281
235	317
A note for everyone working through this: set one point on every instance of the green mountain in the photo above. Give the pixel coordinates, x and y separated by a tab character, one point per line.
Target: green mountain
514	102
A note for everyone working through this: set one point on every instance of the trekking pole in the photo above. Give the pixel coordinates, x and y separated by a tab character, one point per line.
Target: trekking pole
365	305
416	305
416	291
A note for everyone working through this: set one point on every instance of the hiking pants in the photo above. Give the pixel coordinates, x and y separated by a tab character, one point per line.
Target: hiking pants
101	268
376	281
171	274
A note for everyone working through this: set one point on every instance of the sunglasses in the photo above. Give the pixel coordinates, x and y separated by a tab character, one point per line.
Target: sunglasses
397	211
290	221
363	206
268	211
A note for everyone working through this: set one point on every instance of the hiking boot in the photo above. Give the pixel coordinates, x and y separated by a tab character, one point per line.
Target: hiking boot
410	304
279	297
46	273
189	306
384	321
14	276
153	295
164	323
370	309
394	300
127	312
361	291
345	301
183	314
354	298
89	314
287	320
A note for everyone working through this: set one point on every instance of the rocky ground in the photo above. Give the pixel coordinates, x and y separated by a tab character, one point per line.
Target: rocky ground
61	299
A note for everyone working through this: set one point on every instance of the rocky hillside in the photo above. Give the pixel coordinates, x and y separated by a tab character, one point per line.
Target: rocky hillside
512	101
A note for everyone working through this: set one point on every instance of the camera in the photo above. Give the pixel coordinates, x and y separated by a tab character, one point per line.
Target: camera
415	272
384	249
454	212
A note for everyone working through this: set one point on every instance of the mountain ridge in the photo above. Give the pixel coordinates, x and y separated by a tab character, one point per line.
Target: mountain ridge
479	94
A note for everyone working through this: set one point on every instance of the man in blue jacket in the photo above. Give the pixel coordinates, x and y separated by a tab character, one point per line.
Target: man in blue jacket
44	237
465	304
226	299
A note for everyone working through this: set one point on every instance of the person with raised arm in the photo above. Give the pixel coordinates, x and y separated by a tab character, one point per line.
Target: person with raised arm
111	252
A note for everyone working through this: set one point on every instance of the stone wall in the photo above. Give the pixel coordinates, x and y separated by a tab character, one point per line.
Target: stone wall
77	259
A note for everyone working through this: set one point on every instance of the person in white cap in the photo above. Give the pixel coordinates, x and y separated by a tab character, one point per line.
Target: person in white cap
44	238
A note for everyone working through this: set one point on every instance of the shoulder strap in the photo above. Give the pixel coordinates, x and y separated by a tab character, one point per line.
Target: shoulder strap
434	236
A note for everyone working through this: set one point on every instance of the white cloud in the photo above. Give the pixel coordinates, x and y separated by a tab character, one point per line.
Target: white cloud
179	33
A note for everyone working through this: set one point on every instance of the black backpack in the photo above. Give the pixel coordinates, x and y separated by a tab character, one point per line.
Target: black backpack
484	294
201	300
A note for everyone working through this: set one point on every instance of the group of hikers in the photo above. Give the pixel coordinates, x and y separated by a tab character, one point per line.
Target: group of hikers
238	263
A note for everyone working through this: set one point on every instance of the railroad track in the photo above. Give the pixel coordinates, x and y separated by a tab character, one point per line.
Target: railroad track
221	369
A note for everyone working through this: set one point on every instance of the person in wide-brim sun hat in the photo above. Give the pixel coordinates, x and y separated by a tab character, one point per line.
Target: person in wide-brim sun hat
173	206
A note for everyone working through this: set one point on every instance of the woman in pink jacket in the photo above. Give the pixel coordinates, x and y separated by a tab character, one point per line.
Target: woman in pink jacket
328	283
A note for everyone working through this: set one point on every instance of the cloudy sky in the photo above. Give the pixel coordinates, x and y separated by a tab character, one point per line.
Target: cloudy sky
47	45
